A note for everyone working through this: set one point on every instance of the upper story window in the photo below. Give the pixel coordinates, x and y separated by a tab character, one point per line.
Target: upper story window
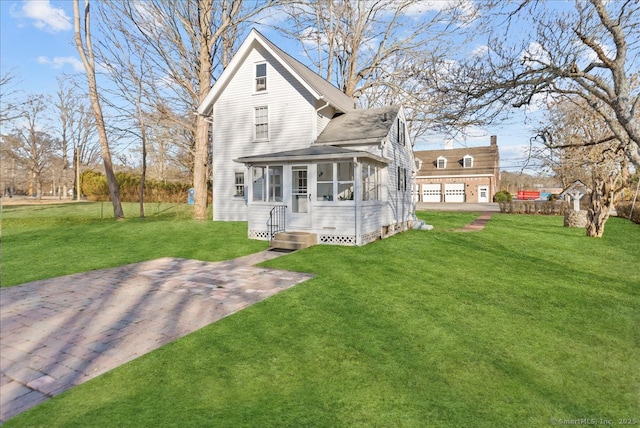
401	132
441	162
467	161
261	77
261	123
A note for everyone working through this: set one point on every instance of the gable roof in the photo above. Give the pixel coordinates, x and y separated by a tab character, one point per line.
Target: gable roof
314	83
485	161
359	126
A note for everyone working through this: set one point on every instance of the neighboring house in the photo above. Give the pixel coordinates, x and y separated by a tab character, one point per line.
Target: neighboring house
292	152
469	174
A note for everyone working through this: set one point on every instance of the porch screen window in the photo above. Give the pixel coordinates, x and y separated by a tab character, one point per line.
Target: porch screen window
345	181
325	179
261	77
335	181
262	123
239	180
267	183
370	183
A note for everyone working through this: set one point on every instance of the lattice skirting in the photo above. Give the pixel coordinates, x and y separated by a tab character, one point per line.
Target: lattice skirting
262	235
337	239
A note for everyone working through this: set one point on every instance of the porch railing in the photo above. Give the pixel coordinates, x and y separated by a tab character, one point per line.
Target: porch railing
277	220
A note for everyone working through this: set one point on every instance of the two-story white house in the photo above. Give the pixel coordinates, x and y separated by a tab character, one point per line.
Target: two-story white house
291	152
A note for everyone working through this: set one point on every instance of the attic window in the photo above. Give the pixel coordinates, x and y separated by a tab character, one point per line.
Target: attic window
261	77
467	161
401	132
441	162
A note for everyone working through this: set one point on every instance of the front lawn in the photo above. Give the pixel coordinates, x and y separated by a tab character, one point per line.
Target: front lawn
521	324
44	241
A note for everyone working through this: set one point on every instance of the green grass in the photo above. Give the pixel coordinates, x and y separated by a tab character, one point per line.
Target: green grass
520	323
45	241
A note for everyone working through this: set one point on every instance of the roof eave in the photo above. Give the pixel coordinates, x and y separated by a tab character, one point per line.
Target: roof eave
250	160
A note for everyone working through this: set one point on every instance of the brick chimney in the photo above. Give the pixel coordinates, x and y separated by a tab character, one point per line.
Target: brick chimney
494	140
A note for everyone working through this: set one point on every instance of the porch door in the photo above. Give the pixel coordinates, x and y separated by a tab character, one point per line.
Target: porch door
300	197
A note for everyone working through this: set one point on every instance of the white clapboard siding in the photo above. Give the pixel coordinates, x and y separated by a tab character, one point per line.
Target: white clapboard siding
291	111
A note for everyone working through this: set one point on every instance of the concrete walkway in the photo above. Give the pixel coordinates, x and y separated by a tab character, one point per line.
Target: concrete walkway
61	332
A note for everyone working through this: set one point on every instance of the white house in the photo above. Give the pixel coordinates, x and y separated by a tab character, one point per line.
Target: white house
293	153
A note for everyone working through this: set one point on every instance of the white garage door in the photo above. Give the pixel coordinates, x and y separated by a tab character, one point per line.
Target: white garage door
431	193
454	192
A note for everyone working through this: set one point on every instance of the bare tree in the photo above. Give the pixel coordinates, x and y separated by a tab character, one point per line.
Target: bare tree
189	42
573	147
85	50
373	50
8	109
589	50
30	144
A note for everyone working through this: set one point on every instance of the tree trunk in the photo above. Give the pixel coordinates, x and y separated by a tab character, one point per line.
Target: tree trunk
89	66
600	202
202	127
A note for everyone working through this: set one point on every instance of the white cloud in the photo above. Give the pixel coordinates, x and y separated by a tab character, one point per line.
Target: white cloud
59	62
480	50
44	15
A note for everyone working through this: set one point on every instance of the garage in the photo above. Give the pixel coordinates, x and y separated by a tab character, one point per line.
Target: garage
454	192
431	193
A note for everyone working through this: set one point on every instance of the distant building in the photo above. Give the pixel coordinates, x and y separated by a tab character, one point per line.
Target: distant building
469	174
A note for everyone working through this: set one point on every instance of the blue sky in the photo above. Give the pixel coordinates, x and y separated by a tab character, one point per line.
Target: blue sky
36	45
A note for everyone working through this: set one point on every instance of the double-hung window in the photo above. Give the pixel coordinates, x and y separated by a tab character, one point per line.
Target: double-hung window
261	123
267	183
441	162
467	161
261	77
239	180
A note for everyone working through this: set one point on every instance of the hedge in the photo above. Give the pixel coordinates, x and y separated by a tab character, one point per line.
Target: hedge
94	187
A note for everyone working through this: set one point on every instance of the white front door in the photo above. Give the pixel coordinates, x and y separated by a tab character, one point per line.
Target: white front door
483	194
300	198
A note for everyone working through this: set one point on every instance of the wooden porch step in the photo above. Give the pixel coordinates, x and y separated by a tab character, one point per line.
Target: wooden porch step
293	240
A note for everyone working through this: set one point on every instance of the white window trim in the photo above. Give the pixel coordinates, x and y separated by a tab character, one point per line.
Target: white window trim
255	123
255	78
236	185
464	161
438	162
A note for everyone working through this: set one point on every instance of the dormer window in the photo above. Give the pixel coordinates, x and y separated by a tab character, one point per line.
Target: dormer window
467	161
441	162
261	77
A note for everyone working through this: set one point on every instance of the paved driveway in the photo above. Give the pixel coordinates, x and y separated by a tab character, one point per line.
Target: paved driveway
61	332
